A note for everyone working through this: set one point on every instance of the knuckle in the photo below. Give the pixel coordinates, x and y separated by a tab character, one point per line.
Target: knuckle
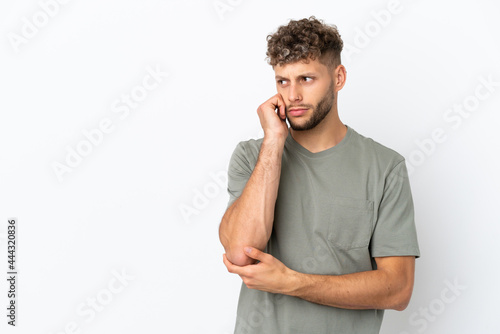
247	275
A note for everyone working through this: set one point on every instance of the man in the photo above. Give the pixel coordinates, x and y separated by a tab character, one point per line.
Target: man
320	222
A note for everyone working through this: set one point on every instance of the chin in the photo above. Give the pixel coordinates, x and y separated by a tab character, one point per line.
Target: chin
298	123
298	127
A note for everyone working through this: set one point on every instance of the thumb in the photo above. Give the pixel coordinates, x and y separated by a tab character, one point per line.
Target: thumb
254	253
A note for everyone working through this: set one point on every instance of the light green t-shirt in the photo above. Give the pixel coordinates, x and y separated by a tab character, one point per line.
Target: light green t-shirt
336	211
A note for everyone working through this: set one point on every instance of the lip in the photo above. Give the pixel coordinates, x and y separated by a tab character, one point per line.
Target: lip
297	112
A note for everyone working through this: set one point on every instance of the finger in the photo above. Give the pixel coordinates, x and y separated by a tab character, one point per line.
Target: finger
281	106
254	253
232	268
227	263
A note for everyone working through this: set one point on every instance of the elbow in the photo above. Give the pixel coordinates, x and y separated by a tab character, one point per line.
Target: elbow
234	252
401	300
400	307
402	289
234	248
238	257
224	235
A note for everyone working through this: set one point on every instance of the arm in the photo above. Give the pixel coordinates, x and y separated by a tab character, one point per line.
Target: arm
388	287
249	220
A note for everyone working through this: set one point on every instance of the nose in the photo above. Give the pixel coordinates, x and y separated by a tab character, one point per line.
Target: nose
294	93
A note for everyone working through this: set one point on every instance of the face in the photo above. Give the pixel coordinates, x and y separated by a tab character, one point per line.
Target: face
308	92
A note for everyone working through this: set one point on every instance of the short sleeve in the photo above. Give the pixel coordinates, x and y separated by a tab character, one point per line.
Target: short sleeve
239	171
395	232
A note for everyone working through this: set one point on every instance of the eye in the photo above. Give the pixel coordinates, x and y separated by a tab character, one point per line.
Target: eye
281	82
307	79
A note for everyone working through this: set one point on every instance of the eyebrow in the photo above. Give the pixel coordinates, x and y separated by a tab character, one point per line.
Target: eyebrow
308	74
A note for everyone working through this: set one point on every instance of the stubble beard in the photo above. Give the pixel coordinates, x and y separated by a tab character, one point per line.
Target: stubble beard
322	109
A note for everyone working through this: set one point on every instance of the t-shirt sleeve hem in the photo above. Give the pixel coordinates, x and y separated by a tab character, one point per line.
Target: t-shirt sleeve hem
413	252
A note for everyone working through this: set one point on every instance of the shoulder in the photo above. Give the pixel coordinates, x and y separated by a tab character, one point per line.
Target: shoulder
247	152
249	147
385	157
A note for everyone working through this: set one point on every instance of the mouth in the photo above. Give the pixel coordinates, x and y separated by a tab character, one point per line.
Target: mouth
295	112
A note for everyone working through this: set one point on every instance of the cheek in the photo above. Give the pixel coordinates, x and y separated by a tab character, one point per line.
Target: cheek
317	95
283	92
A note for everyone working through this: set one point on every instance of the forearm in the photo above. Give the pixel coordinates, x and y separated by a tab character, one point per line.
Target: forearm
376	289
249	220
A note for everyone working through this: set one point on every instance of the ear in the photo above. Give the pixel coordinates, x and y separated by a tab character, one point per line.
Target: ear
339	77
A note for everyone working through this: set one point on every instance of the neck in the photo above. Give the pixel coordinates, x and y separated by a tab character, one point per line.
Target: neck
325	135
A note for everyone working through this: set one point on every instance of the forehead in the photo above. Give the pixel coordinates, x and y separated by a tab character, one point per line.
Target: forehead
299	68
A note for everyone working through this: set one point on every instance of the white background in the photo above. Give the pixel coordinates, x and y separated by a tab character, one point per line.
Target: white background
120	208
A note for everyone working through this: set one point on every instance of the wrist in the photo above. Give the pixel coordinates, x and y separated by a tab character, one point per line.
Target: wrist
293	283
273	138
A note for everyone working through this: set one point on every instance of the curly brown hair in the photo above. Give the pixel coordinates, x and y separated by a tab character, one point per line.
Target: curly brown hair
303	40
